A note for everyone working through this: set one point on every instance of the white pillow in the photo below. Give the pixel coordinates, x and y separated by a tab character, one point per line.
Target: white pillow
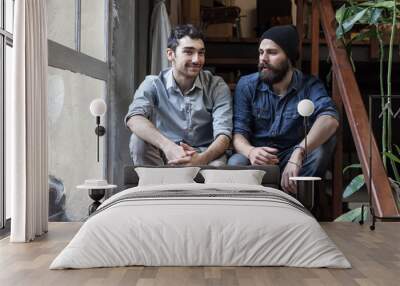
248	177
166	176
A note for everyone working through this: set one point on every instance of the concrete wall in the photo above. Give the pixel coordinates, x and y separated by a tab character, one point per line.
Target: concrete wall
129	62
72	141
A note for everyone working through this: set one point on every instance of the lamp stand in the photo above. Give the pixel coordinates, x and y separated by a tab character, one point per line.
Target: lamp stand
100	131
305	137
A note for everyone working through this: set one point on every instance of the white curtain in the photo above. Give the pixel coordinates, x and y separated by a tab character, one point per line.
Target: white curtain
26	129
160	28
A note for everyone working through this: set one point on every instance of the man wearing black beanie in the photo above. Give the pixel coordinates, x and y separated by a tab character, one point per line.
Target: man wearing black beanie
266	125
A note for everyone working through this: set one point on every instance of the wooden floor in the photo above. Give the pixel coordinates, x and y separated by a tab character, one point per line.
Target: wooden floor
375	257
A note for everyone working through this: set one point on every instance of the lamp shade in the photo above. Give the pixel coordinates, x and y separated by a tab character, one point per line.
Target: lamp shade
305	107
98	107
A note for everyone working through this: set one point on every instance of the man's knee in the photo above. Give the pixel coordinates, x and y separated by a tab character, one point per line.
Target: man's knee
238	160
143	153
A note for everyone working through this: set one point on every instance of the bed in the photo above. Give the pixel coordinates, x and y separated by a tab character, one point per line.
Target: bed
201	224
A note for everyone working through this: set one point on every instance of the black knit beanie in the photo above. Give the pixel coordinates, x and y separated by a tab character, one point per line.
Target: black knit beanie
286	37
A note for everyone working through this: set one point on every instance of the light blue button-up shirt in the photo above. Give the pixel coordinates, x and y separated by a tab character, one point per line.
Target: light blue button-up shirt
197	117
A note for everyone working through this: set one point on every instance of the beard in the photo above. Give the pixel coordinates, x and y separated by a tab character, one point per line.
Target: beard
275	73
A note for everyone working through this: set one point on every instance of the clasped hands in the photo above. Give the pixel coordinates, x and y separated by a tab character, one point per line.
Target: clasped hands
183	154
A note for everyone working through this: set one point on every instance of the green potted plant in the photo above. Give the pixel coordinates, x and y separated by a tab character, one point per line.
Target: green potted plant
377	19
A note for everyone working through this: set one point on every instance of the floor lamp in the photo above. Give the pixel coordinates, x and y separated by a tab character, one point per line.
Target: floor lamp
305	108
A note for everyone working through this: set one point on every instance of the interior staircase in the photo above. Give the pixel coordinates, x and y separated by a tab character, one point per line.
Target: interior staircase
347	97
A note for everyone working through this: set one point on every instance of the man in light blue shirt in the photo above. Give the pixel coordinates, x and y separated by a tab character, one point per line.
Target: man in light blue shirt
183	116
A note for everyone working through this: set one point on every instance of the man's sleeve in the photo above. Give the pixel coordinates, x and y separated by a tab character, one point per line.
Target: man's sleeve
222	110
242	117
143	101
323	103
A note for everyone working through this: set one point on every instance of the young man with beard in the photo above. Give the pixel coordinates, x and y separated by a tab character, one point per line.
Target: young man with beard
183	116
267	127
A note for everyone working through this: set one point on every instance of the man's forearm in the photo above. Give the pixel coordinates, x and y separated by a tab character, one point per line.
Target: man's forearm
216	149
146	130
242	145
323	128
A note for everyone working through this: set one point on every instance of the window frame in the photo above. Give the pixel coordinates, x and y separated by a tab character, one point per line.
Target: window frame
63	57
74	60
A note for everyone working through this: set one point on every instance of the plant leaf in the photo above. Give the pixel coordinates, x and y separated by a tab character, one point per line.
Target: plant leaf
353	215
397	149
366	19
348	24
352	166
347	14
382	4
354	186
375	16
340	13
392	157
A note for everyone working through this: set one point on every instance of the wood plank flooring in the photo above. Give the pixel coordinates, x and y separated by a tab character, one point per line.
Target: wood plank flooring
374	255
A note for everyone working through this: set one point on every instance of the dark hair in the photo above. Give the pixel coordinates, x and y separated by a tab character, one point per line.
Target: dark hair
181	31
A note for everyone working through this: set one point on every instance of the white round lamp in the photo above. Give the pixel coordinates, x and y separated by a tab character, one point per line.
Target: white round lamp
305	107
98	107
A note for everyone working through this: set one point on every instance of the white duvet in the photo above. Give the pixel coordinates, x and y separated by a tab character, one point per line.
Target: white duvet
210	229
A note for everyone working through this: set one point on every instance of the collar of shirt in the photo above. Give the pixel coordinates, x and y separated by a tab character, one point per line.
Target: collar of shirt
170	83
293	86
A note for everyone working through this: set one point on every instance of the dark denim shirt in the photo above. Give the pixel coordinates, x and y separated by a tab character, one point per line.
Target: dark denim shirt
196	118
267	119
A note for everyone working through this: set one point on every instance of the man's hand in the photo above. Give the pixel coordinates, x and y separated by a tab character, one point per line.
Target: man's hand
175	152
292	169
192	158
263	156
